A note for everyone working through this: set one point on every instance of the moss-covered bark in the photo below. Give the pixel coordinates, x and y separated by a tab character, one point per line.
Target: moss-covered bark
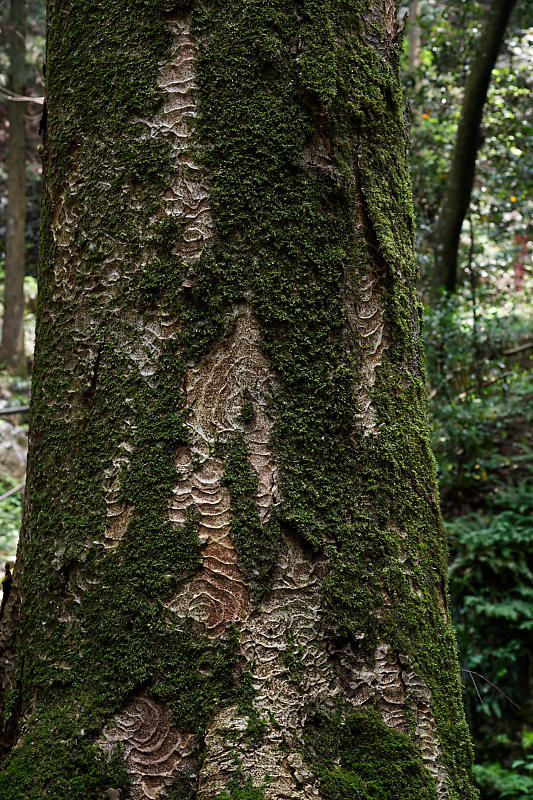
231	577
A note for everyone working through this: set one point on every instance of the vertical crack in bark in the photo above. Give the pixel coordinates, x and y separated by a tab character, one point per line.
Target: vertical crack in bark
154	749
11	619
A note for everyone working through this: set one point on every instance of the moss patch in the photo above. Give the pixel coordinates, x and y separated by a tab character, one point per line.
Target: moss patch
257	545
363	759
241	789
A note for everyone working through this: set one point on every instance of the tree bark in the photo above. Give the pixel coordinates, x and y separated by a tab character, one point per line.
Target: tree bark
413	34
12	348
232	569
461	175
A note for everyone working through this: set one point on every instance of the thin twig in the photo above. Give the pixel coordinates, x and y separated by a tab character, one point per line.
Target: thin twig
4	412
483	678
7	94
483	385
526	346
475	687
12	491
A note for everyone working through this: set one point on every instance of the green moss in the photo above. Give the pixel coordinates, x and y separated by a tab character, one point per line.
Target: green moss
361	758
247	413
293	658
181	788
75	770
257	545
312	236
242	790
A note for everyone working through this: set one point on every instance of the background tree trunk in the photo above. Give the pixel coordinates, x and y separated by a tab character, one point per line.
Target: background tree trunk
461	175
413	33
231	575
12	349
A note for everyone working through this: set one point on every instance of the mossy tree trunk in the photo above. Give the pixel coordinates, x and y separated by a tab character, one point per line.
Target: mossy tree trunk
12	347
231	575
460	179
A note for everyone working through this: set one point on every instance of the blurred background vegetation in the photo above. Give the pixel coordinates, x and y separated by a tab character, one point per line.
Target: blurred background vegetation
479	346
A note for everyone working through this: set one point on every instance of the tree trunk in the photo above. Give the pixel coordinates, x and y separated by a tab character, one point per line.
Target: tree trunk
231	575
12	349
461	175
413	34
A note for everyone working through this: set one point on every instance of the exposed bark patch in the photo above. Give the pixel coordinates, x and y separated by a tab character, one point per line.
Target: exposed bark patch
187	195
154	750
317	151
214	393
217	595
366	316
281	642
370	328
91	389
63	227
186	201
383	39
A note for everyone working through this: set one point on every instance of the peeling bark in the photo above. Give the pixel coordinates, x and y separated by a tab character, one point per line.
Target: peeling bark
154	750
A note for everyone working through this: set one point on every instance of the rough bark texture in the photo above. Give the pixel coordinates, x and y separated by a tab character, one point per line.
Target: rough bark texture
231	576
462	169
12	348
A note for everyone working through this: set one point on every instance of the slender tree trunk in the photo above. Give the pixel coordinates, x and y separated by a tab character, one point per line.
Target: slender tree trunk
12	348
461	175
413	34
231	575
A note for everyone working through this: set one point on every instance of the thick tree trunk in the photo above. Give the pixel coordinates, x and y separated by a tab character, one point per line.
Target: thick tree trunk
12	348
461	175
231	576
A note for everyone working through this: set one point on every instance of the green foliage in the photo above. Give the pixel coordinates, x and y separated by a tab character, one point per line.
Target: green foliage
491	582
514	784
478	393
482	433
